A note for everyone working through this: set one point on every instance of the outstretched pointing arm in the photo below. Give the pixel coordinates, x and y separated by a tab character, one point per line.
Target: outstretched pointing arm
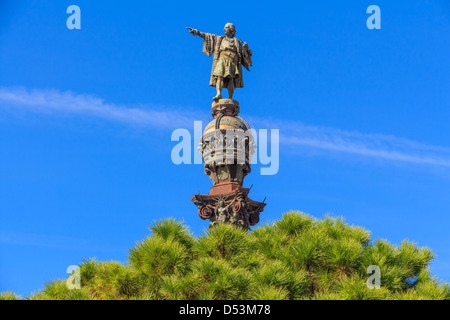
195	32
208	40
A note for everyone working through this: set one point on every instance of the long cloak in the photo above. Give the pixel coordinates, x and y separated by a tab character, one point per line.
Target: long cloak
211	44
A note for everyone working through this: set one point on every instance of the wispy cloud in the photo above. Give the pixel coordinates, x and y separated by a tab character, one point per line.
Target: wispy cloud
388	147
69	103
293	135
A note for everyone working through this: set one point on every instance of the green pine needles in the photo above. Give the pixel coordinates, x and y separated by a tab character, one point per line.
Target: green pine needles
297	257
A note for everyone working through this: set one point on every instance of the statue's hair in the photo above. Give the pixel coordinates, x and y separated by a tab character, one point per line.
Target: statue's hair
229	23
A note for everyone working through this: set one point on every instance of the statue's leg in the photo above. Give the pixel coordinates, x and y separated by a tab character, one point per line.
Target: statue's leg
219	86
230	88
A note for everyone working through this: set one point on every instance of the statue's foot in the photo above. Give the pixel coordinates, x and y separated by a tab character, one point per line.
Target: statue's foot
216	98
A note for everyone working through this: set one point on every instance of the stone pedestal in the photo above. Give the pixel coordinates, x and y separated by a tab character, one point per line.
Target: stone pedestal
227	147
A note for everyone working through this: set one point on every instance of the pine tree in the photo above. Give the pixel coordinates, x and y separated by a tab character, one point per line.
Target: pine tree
297	257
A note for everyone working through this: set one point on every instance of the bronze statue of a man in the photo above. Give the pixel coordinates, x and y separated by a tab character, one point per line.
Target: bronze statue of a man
230	54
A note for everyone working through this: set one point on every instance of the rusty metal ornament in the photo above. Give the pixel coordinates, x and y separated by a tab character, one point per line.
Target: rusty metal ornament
237	206
205	212
253	219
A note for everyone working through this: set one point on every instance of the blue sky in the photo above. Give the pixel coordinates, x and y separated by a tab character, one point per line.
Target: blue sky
86	118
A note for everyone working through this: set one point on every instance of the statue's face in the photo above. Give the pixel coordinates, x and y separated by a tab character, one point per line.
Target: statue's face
221	203
229	30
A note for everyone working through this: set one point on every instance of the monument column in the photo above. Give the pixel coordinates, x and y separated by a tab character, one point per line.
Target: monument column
227	143
226	147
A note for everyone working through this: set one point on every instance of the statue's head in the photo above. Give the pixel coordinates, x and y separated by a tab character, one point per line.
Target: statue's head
229	29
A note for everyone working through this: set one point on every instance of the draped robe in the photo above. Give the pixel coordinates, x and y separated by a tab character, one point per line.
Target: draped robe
211	44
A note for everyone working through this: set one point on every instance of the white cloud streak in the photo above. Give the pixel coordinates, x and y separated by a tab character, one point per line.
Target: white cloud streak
296	135
293	135
68	103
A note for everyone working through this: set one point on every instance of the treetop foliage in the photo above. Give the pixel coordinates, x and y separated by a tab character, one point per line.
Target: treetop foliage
297	257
